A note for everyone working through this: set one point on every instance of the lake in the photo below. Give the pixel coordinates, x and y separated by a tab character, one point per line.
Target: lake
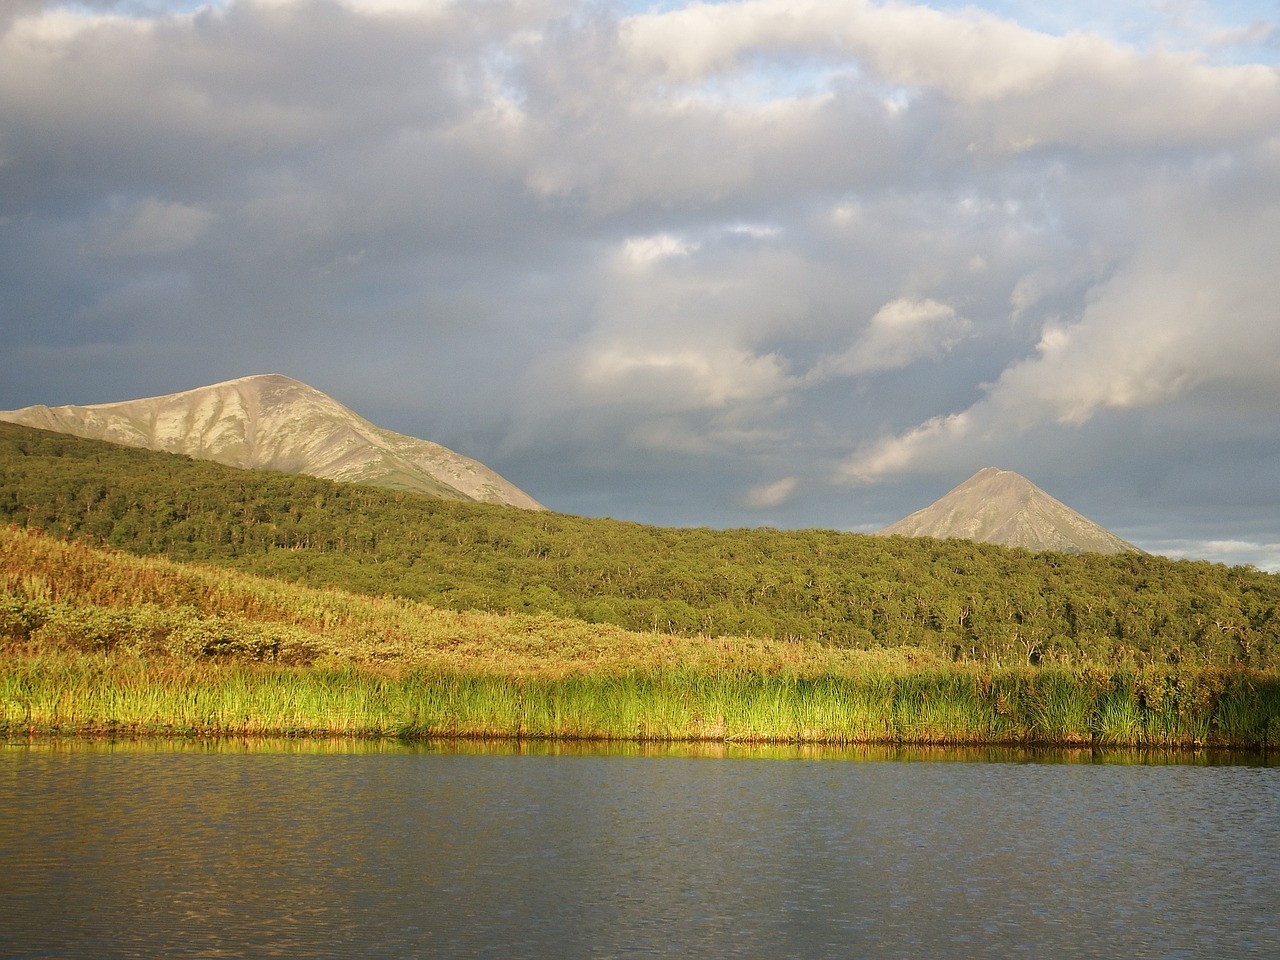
390	851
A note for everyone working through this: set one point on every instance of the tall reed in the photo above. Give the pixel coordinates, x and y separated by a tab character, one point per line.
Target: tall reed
104	694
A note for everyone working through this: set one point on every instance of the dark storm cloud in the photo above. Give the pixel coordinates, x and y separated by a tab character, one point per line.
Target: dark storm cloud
803	263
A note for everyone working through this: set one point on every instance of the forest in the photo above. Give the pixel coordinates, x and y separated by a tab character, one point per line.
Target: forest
956	599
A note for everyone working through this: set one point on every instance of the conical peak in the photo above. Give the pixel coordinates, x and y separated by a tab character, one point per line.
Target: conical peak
996	475
996	482
1003	507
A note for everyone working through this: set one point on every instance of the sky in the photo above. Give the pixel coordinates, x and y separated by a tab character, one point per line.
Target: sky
790	263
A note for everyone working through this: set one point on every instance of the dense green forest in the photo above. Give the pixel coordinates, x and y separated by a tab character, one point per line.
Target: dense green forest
957	598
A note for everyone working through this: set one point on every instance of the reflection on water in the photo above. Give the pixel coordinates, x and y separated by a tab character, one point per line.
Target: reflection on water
906	753
340	849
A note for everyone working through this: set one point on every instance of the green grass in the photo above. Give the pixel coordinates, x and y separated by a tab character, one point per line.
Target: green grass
107	694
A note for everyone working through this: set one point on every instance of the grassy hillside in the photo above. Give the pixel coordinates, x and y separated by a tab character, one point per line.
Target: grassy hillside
103	642
955	599
59	597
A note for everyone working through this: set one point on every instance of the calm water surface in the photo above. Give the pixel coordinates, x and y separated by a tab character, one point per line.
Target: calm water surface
343	851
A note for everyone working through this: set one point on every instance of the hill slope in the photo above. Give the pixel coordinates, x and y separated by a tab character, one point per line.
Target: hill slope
955	598
276	423
999	506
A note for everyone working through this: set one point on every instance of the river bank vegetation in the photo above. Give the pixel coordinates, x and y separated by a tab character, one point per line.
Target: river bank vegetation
98	641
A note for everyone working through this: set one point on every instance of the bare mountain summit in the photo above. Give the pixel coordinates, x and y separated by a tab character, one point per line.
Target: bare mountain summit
275	423
999	506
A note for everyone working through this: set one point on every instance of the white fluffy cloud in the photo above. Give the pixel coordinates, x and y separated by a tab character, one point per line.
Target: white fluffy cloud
1016	87
642	251
771	494
1193	310
681	378
901	332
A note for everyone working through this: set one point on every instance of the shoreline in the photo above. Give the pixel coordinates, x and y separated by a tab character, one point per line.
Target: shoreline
19	736
139	742
958	706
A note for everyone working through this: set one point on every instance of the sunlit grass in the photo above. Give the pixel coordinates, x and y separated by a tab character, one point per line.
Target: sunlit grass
97	642
104	694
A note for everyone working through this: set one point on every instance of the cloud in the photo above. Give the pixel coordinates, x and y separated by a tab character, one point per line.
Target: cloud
642	251
771	494
1258	32
154	227
683	378
1264	556
1190	311
1018	88
901	332
937	437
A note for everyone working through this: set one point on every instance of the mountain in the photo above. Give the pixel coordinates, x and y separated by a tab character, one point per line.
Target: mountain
273	422
999	506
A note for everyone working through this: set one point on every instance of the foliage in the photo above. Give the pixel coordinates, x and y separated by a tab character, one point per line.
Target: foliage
955	599
956	704
100	641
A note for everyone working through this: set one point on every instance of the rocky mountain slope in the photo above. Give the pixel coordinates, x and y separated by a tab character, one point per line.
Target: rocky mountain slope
276	423
999	506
